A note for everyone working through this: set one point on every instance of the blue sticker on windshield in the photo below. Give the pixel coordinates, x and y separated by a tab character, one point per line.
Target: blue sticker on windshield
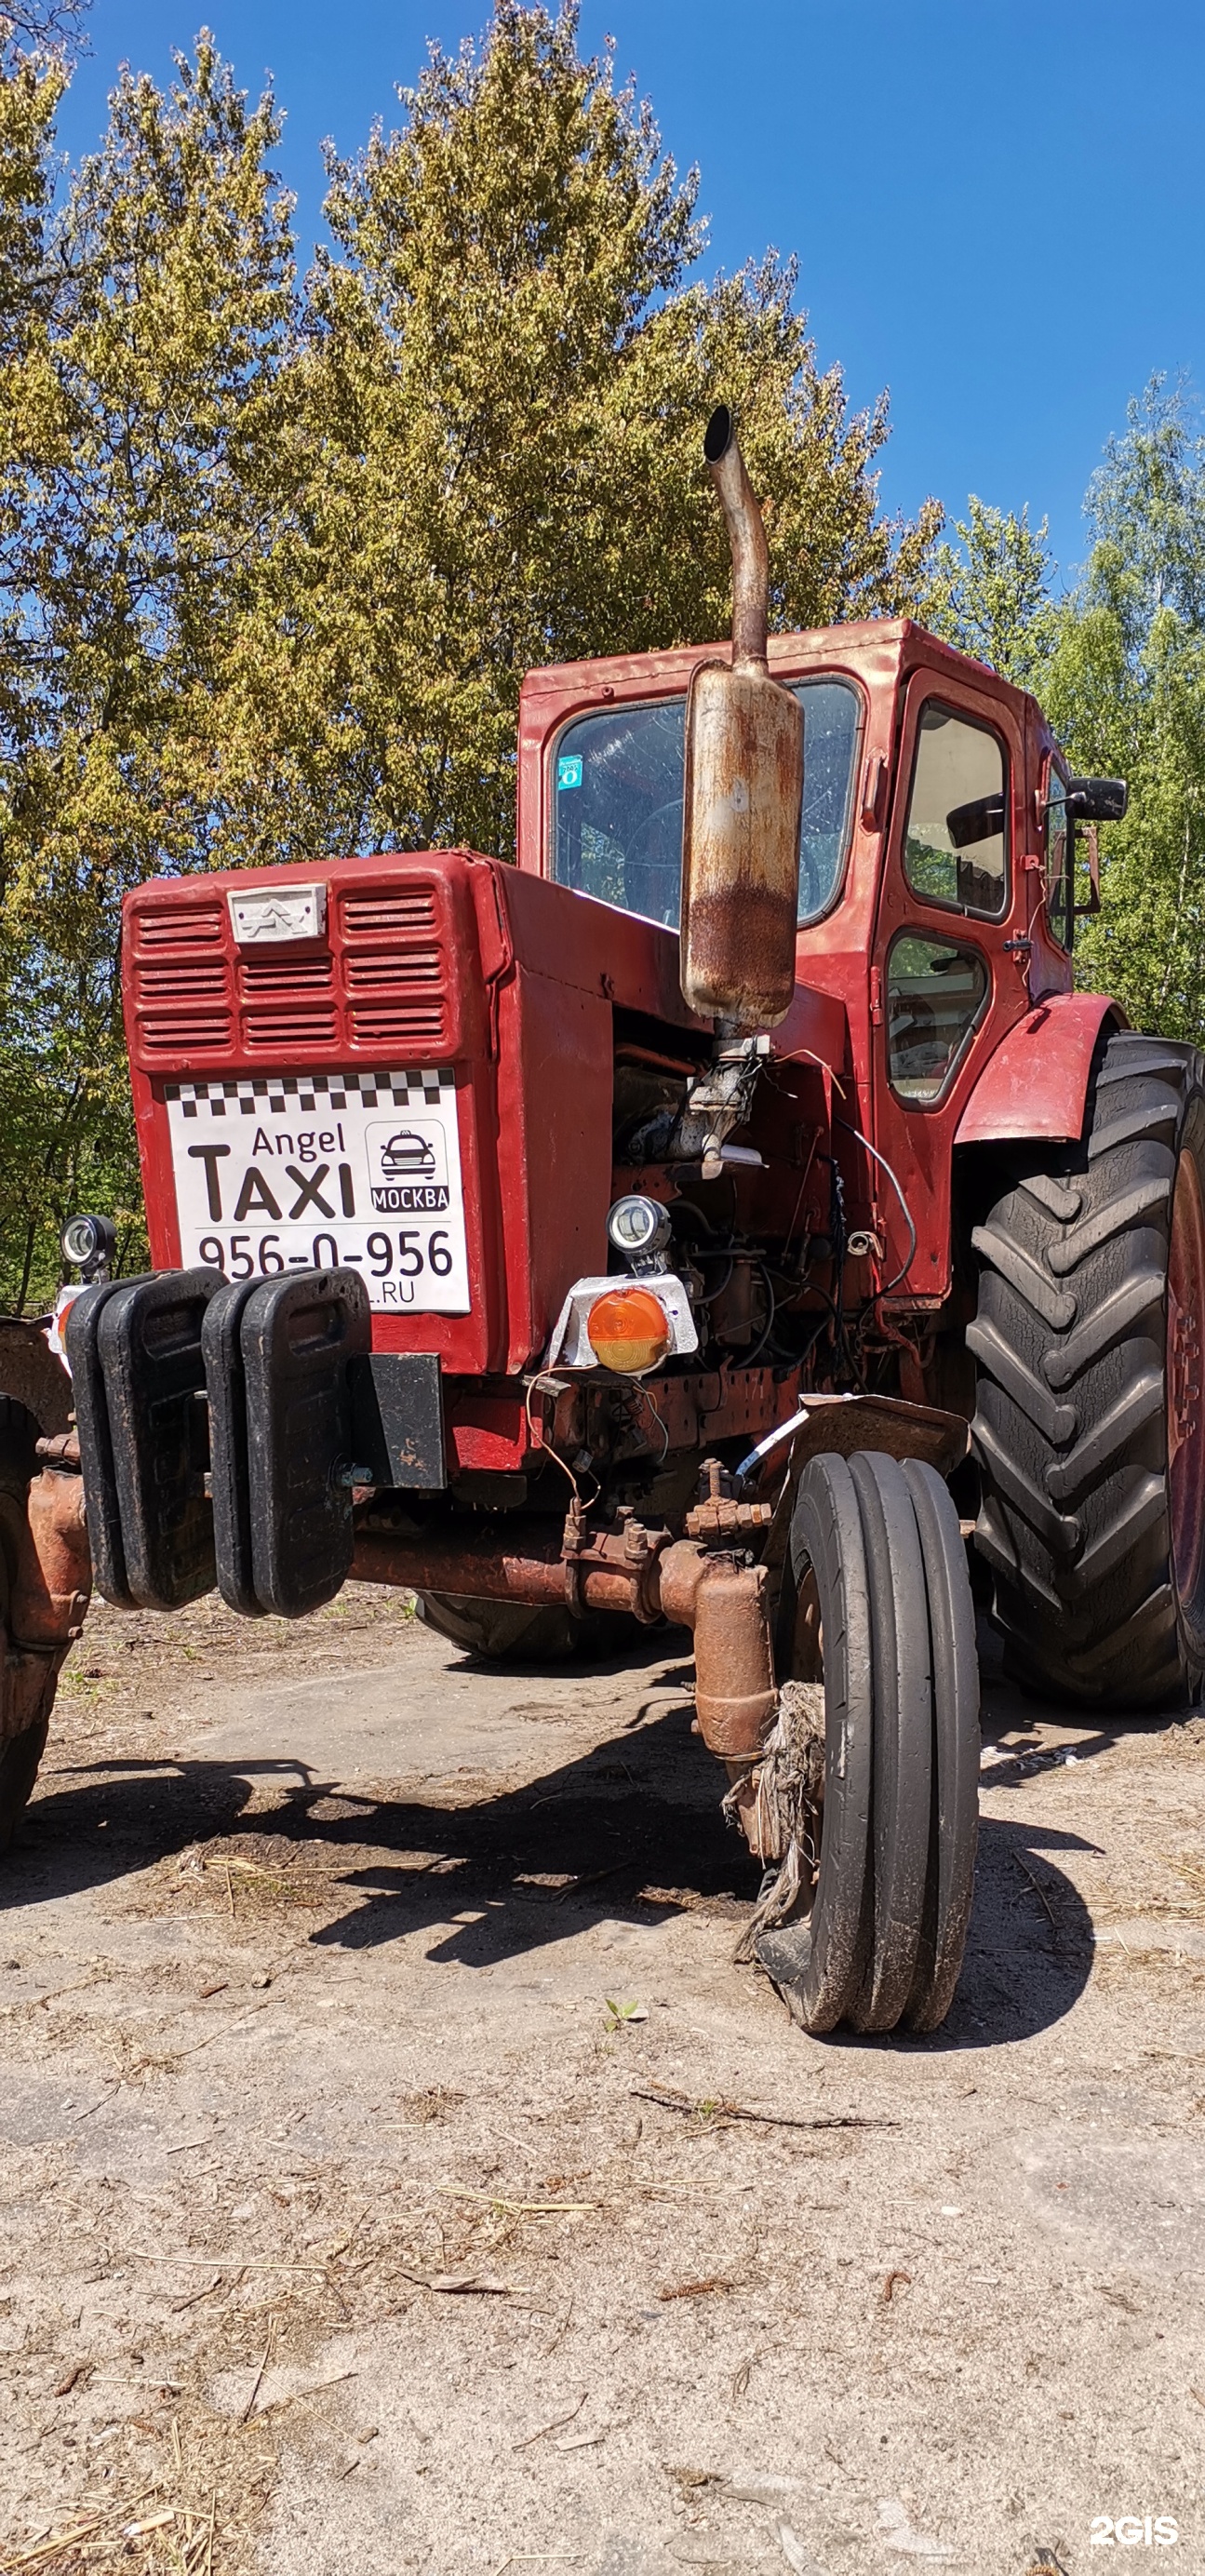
569	771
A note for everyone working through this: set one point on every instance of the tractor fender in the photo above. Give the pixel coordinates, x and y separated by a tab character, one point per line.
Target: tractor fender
1036	1081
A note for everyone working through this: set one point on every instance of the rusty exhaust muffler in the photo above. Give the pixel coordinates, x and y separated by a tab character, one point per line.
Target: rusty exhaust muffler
743	795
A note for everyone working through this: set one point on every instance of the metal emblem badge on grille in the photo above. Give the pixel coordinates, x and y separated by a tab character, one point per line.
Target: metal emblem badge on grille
268	913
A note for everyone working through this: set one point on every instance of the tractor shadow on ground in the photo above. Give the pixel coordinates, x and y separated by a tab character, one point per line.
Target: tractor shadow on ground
629	1831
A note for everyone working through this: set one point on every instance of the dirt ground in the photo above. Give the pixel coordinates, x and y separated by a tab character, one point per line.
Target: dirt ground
399	2174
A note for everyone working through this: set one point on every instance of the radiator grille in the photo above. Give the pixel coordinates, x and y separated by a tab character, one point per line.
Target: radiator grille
181	926
182	979
397	1023
285	975
184	1032
302	1024
381	984
395	909
408	971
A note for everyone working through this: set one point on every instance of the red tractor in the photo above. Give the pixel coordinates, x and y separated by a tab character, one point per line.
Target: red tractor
706	1220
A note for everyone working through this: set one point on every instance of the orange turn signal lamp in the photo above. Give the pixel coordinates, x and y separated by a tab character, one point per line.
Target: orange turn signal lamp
629	1330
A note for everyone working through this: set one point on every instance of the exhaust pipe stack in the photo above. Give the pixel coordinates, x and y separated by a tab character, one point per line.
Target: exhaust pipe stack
743	792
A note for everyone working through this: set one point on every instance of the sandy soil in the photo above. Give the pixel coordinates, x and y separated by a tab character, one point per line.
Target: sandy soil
398	2173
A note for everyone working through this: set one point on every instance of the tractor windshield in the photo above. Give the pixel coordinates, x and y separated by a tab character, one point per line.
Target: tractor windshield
618	801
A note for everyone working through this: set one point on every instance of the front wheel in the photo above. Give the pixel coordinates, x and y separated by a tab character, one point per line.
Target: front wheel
879	1765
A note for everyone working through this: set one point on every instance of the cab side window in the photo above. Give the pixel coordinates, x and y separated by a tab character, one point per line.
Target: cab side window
1059	876
956	843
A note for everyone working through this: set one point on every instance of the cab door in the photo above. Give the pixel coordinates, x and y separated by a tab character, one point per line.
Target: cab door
945	983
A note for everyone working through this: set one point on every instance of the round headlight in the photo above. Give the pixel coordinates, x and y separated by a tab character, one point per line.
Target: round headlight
629	1330
639	1228
89	1243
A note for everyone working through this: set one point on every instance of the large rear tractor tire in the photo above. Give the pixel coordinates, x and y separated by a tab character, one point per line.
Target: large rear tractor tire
886	1813
513	1632
1090	1422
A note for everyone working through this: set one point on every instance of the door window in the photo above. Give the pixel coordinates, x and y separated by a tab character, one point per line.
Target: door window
936	995
956	842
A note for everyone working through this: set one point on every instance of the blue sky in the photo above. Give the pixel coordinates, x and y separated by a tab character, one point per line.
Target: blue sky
997	204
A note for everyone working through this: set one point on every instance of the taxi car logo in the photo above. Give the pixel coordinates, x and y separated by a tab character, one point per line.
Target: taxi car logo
407	1155
409	1178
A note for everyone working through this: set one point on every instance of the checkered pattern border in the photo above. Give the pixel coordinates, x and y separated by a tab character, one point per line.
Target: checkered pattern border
249	1095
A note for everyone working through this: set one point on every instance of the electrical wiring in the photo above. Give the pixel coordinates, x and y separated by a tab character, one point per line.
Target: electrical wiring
881	1159
662	1426
758	1347
551	1386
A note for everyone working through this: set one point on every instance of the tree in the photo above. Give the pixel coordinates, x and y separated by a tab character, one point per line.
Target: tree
993	599
1126	688
40	23
141	496
1118	662
499	408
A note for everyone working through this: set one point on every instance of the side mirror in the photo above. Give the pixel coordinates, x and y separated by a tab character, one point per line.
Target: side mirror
981	820
743	790
1097	800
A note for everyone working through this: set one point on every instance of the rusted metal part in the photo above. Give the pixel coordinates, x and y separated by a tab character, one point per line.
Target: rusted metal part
735	1697
642	1571
746	539
485	1564
48	1578
30	1371
743	791
719	1404
62	1450
52	1575
843	1423
725	1519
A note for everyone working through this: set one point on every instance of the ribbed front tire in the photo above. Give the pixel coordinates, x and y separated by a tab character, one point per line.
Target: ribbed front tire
887	1852
1090	1427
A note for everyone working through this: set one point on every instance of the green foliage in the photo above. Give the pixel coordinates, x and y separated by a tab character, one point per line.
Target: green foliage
137	490
992	598
1126	688
272	562
1118	663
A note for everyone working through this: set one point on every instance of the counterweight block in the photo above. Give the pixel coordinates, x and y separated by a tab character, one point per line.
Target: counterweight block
297	1338
135	1348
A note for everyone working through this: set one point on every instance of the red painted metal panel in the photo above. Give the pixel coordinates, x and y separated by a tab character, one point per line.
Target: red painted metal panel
595	948
442	957
1036	1082
553	1148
